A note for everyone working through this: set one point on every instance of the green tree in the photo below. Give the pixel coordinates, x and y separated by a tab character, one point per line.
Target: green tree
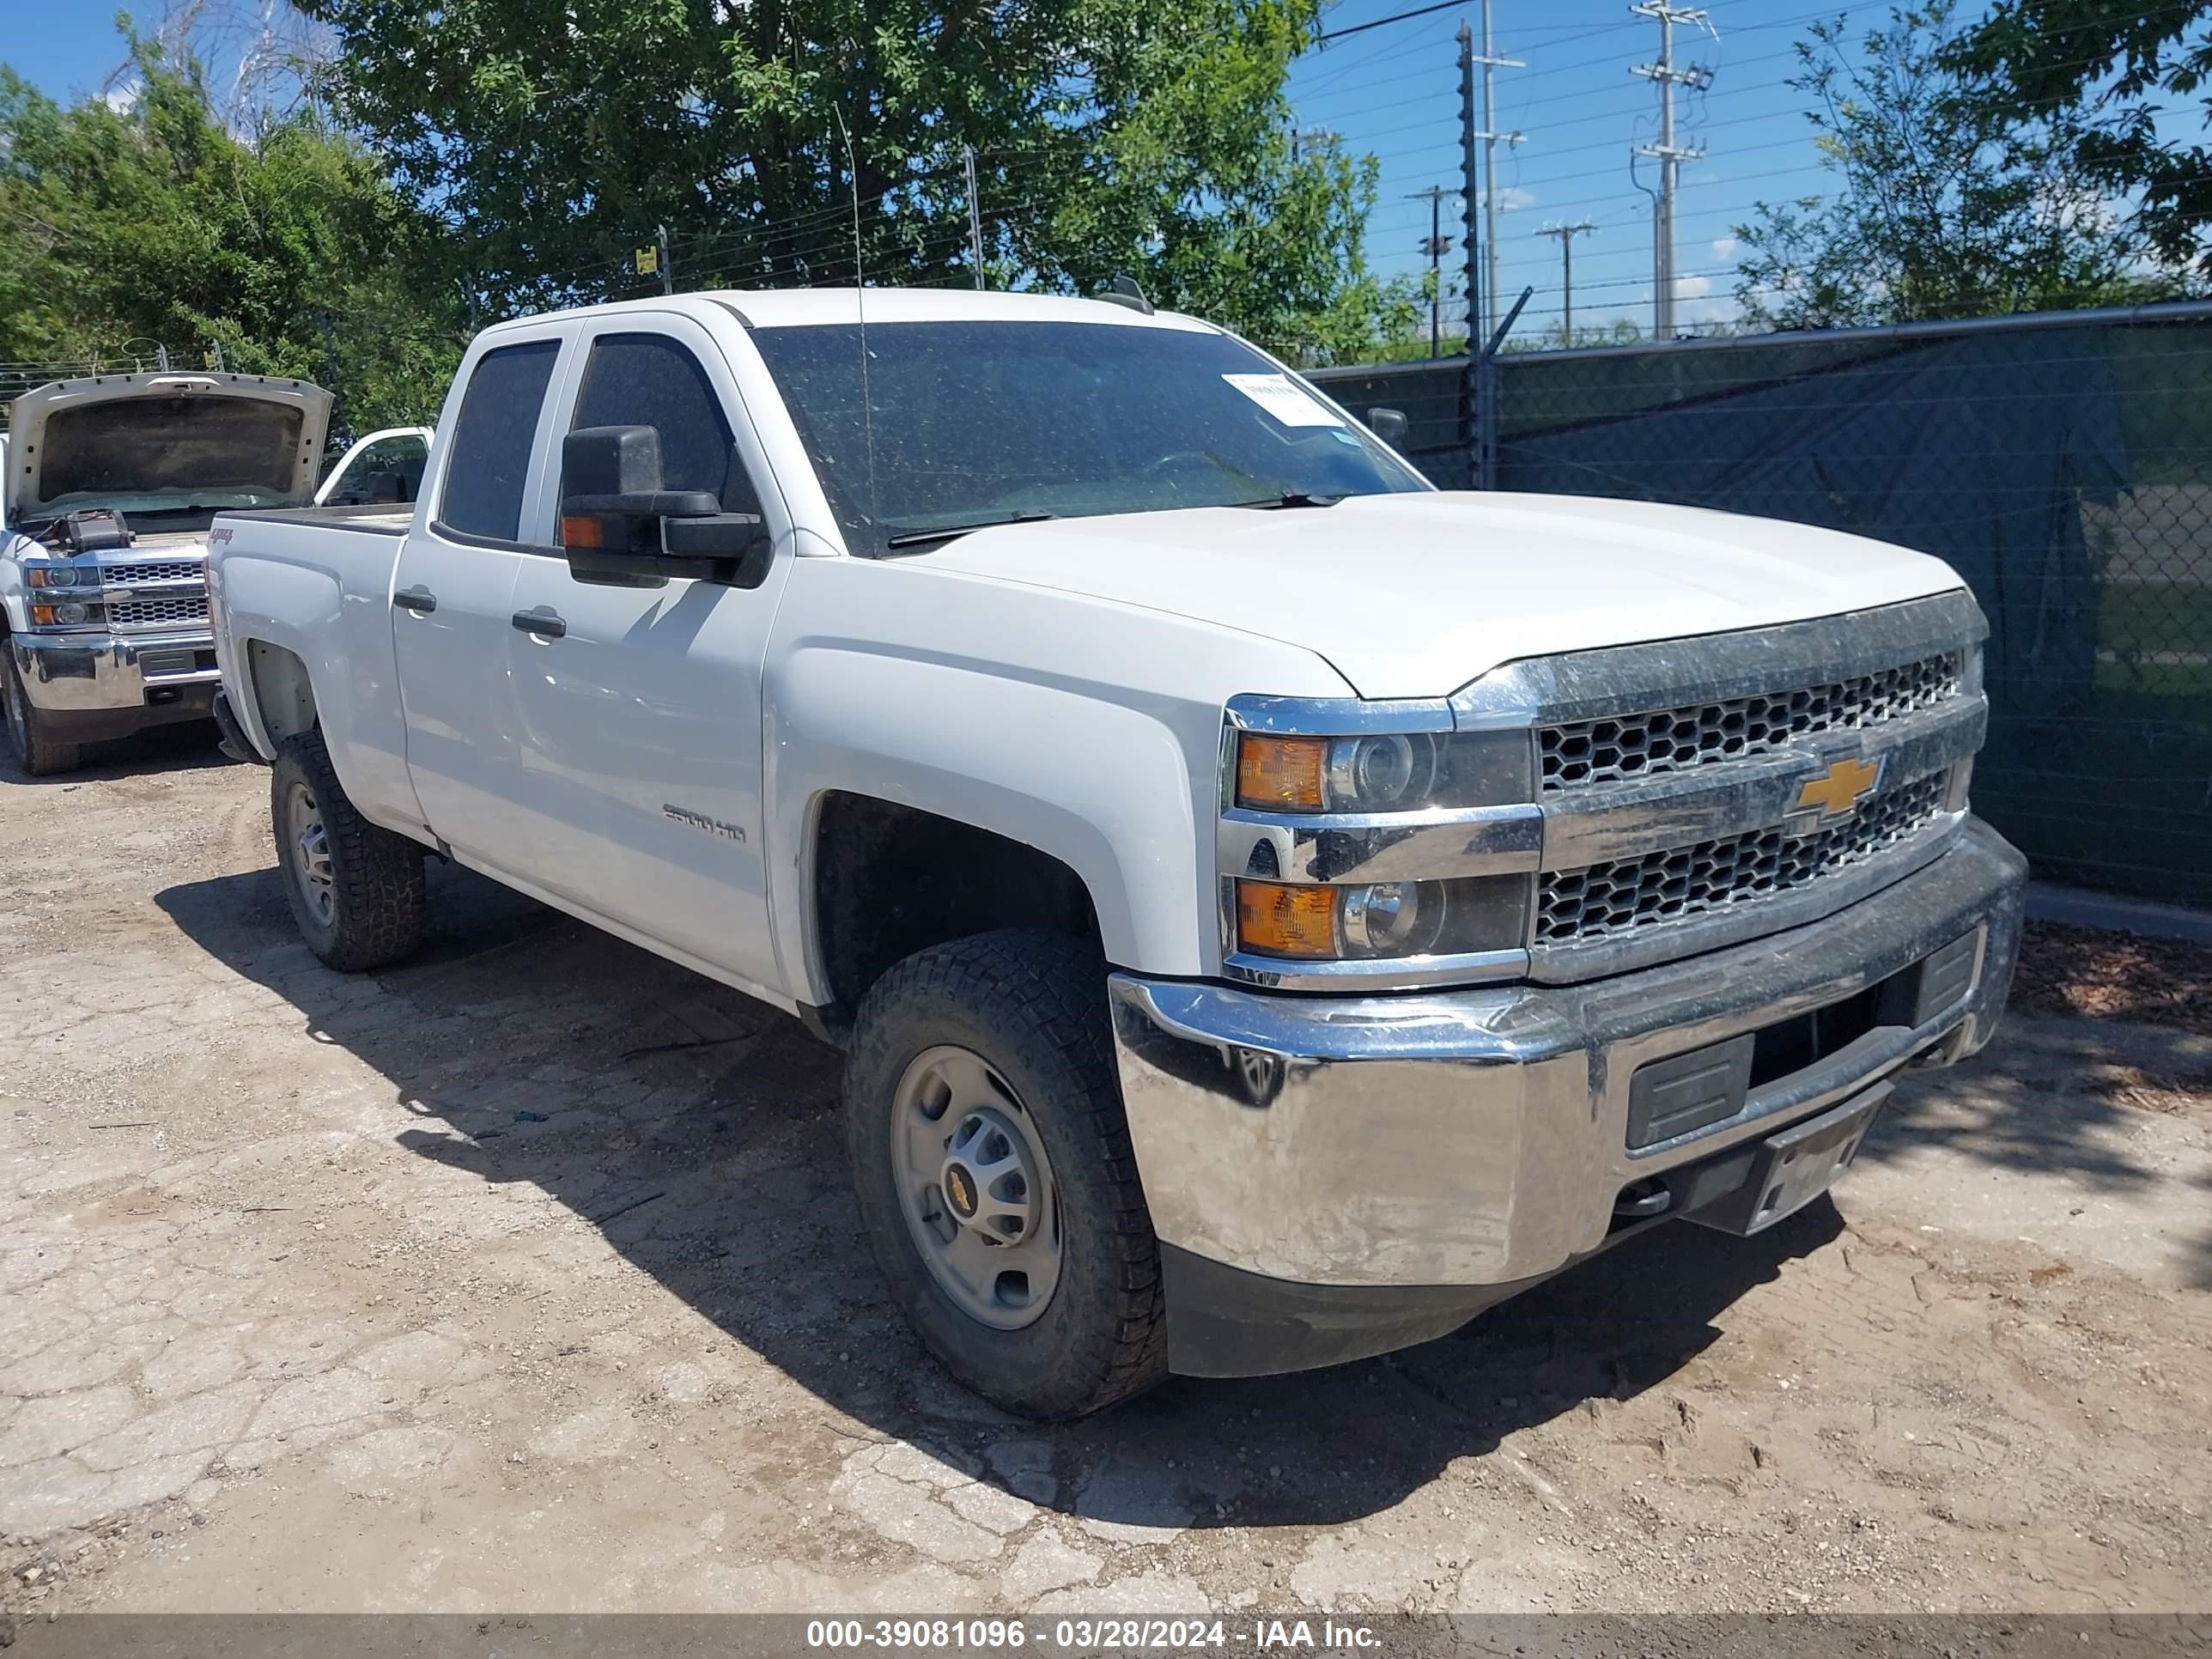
1111	135
2103	74
1947	202
146	219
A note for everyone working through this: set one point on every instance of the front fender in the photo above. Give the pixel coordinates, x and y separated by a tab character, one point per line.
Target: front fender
1090	732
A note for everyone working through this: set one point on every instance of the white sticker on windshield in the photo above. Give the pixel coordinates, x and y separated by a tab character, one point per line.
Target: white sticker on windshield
1282	397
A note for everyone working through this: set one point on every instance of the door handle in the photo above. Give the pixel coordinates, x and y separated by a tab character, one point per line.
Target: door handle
544	624
416	598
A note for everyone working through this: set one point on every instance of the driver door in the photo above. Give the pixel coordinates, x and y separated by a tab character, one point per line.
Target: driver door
639	729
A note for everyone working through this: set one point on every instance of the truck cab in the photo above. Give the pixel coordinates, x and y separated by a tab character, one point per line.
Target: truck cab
111	483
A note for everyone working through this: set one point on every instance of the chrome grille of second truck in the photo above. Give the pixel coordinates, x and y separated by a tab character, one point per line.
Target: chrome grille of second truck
150	613
1602	901
1580	753
125	575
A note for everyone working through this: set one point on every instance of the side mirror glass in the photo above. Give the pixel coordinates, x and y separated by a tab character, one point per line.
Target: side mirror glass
1388	425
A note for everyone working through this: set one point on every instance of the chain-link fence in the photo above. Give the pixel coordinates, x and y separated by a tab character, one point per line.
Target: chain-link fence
2062	465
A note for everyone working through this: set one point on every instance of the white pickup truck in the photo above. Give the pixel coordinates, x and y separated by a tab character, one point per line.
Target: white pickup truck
110	483
1271	909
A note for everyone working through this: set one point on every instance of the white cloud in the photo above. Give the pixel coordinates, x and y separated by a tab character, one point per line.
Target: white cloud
121	99
1514	197
1693	288
1724	248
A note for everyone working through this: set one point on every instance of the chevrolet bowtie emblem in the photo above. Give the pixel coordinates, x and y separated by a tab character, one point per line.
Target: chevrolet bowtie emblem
1841	788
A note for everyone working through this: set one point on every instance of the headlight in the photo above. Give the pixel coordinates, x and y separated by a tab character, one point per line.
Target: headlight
53	576
1387	773
1377	920
63	613
1376	842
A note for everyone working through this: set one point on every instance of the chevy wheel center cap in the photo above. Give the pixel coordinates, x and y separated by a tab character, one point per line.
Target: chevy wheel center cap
960	1191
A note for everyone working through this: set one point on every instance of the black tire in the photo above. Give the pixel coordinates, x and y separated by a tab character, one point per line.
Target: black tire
377	897
28	745
1032	1006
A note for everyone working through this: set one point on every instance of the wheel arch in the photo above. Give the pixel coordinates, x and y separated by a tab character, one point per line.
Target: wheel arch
886	880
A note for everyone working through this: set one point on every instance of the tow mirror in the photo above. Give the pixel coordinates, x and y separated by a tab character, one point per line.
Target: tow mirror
1388	425
620	525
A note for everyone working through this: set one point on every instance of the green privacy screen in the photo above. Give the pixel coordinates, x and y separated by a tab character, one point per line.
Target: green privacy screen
2061	465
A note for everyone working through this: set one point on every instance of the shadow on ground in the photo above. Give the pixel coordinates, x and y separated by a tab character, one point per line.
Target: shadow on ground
2059	1094
698	1131
185	747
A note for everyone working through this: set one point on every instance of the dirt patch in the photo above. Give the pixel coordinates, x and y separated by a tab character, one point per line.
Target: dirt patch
2132	1086
2065	969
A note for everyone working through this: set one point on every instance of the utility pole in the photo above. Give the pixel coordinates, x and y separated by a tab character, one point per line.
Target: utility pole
1299	135
1566	234
974	213
1666	152
1435	247
1478	436
1490	60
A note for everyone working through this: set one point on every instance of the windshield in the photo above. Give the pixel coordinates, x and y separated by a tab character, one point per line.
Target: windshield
977	422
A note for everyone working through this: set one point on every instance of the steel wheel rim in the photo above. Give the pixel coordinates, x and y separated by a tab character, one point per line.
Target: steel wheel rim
976	1187
310	841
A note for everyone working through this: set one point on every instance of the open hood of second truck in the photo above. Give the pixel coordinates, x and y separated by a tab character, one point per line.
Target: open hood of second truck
166	440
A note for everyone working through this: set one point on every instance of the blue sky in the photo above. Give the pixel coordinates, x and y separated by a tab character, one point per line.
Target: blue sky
1393	92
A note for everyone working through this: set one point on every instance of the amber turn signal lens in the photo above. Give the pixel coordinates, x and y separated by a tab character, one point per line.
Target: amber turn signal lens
1278	920
1274	773
582	533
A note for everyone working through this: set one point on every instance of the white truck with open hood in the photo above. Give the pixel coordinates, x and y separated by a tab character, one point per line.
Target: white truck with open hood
1272	908
110	483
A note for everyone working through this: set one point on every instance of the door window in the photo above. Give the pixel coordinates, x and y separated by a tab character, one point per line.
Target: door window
648	379
389	469
492	440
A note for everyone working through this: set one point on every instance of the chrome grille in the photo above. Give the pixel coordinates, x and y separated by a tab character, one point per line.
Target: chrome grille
1585	752
1604	901
147	613
122	575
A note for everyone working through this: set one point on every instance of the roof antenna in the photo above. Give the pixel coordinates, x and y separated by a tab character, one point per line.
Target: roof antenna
860	310
1125	292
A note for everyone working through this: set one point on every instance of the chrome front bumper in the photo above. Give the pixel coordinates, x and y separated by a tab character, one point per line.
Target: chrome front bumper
1480	1137
79	672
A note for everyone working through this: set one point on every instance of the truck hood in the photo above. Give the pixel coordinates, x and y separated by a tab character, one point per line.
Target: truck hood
165	439
1414	595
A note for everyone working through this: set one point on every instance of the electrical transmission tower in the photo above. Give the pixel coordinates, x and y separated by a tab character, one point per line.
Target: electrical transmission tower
1667	152
1566	234
1490	134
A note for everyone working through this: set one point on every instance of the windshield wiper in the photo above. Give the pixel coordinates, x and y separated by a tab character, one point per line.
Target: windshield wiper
946	532
1292	498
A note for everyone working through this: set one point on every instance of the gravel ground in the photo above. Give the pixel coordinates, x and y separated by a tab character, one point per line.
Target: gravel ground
526	1277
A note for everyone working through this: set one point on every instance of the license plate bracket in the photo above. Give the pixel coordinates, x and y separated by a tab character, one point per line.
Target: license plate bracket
1790	1169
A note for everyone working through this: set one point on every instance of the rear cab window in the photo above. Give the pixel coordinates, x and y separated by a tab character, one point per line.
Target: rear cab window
493	438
